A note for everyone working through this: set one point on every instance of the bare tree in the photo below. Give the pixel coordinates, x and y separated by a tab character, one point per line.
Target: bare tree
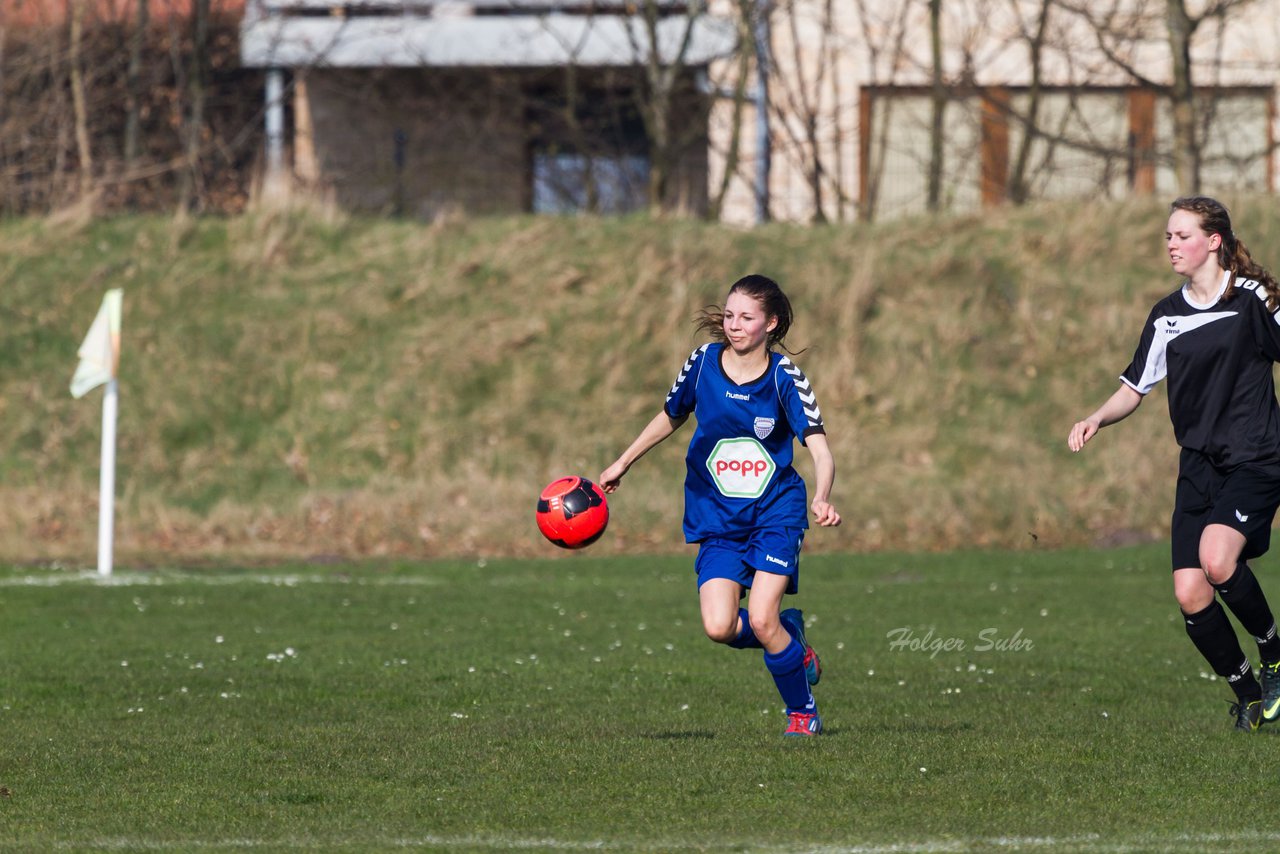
86	90
74	61
4	37
197	92
741	77
938	106
885	43
658	91
598	112
798	106
1188	150
1117	31
664	77
133	85
1019	190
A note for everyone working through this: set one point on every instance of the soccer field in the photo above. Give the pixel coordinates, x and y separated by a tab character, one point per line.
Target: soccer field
1044	701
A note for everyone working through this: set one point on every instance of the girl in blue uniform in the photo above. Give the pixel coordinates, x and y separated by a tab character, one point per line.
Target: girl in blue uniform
744	504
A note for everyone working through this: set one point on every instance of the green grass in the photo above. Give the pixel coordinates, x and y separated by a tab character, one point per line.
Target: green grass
574	704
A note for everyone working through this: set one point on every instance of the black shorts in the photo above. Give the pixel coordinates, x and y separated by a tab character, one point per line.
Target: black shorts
1244	498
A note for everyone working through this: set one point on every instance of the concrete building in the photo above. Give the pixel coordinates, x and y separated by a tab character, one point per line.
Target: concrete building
548	105
485	106
1103	127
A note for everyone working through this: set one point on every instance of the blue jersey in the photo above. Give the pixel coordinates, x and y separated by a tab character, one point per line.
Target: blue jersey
738	468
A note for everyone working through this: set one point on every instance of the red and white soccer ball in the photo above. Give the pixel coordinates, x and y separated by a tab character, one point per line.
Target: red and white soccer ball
572	512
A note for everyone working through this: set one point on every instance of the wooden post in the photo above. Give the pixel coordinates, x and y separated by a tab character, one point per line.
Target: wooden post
1142	141
995	147
865	111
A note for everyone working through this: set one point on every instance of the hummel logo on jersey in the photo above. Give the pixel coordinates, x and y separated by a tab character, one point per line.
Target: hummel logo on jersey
733	396
772	559
1241	516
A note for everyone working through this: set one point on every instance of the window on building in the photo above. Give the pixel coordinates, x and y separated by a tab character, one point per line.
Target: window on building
1101	142
567	183
588	149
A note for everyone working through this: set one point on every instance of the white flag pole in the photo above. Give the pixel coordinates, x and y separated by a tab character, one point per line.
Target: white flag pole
99	362
107	480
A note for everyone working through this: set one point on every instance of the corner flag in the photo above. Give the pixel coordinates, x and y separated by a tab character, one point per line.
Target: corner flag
99	359
100	352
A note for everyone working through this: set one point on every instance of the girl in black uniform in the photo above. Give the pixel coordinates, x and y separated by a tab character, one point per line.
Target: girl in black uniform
1216	338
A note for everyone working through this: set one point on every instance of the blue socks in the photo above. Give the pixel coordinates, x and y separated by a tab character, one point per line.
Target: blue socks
787	668
746	638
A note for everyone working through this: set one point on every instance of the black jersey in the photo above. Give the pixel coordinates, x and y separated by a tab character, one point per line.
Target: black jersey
1218	358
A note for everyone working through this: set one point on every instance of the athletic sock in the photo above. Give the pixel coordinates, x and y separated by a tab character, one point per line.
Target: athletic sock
746	638
1243	595
1211	632
787	668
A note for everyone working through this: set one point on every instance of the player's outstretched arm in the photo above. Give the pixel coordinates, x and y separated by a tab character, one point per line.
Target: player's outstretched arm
662	426
1118	407
824	467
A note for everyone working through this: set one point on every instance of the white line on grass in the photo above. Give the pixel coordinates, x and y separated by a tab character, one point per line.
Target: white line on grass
1084	844
212	579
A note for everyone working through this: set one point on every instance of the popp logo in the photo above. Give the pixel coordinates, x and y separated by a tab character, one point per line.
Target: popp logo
740	468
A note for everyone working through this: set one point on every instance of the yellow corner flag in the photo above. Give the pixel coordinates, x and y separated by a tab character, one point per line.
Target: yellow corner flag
100	352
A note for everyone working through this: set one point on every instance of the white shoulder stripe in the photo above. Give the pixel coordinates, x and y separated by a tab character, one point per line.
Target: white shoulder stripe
804	390
686	369
1261	293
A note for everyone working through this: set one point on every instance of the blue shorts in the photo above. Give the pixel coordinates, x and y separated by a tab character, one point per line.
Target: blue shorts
774	550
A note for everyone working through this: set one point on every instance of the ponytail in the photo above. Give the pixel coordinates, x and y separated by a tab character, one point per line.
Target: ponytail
1241	264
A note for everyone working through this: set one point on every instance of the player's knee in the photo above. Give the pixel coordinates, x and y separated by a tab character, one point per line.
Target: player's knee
720	631
1192	590
1193	600
765	626
1217	570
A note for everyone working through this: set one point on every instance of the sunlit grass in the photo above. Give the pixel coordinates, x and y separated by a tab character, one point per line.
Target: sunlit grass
973	701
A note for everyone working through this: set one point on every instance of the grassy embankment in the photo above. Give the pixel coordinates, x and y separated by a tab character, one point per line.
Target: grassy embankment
300	384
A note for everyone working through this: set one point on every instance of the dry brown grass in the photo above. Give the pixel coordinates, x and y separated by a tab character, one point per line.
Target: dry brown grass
297	383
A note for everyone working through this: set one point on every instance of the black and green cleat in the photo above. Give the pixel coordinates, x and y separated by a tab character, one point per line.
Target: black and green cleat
1269	675
1248	715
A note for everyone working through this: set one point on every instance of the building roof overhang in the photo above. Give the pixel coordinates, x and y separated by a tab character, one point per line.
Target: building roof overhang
527	38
